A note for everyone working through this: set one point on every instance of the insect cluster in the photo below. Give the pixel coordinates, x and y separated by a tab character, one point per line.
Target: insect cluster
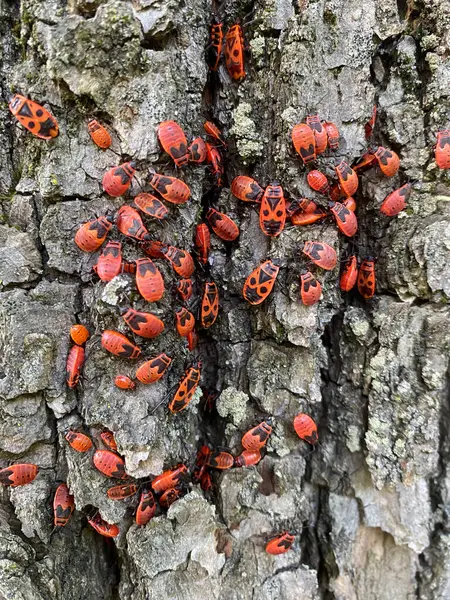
278	210
310	140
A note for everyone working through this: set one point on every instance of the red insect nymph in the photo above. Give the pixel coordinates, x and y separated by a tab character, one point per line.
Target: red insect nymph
256	438
174	142
110	464
349	274
396	201
117	180
118	344
17	475
280	544
310	289
99	134
306	429
91	235
152	370
63	505
304	142
442	150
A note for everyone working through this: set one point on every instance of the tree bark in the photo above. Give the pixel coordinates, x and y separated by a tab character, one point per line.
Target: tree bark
370	505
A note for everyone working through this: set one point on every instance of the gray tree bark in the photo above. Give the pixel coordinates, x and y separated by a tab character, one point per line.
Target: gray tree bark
371	505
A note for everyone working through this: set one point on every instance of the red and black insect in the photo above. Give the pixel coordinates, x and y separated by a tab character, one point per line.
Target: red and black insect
219	460
146	508
169	497
307	218
185	321
170	188
74	364
197	150
280	544
321	254
210	304
260	282
79	334
63	505
118	344
102	527
34	117
109	263
109	440
310	289
272	214
246	189
169	479
173	140
99	134
214	49
234	52
442	149
348	179
152	370
184	289
209	398
181	261
333	135
192	340
78	441
395	202
304	142
388	161
369	126
346	220
149	280
306	429
212	130
300	204
318	182
200	463
17	475
110	464
206	482
367	160
202	242
153	248
143	324
124	382
366	278
222	225
117	180
320	134
247	458
120	492
151	206
186	388
129	222
256	438
349	274
91	235
214	158
350	204
335	192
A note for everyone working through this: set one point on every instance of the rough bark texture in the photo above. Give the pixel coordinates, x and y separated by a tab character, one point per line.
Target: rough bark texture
371	506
